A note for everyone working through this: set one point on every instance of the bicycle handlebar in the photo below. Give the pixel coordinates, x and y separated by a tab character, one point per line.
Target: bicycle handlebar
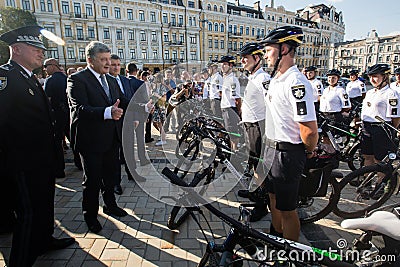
278	242
387	124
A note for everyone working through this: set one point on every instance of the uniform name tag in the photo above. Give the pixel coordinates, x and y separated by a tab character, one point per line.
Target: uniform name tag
301	108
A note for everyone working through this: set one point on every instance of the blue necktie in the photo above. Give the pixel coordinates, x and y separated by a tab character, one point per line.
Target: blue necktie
105	86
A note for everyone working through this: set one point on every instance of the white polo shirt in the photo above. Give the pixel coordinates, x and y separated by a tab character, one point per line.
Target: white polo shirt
383	103
206	87
230	91
355	88
253	105
318	88
289	100
215	85
334	99
395	86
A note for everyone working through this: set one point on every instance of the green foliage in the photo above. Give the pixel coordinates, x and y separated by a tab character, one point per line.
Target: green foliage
12	18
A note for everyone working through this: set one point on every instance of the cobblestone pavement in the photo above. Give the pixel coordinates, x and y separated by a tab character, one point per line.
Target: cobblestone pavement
142	238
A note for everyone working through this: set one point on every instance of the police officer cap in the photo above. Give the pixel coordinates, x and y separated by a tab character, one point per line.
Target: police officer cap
354	72
378	69
204	71
396	71
311	68
212	63
251	49
333	72
227	58
30	35
291	35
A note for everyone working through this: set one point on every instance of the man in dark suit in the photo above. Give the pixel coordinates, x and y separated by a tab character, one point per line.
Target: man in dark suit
95	100
28	147
55	87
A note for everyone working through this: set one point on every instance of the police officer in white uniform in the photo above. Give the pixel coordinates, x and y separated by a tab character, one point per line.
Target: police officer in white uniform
230	98
334	100
396	84
380	101
253	114
355	88
291	131
315	83
215	87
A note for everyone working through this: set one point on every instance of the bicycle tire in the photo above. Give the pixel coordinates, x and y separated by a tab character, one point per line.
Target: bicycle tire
355	158
328	203
353	207
210	260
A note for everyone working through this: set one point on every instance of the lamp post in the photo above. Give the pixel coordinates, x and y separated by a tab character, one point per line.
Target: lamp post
203	21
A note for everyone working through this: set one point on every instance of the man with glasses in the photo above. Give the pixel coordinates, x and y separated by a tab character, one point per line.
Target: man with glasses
55	87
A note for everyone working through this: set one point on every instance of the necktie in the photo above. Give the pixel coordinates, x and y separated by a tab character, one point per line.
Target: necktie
120	85
105	86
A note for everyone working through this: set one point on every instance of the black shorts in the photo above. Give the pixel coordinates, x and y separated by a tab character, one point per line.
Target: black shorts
283	178
377	140
231	119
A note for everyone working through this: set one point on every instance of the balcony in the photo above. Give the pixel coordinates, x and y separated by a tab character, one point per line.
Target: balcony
78	16
235	34
175	25
175	43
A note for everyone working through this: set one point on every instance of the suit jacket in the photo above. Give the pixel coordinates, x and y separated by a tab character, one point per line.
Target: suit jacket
88	102
26	120
128	91
140	98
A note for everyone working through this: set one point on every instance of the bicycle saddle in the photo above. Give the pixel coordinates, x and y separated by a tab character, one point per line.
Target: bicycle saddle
383	222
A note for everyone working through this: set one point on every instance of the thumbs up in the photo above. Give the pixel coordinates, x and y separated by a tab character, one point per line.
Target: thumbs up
116	112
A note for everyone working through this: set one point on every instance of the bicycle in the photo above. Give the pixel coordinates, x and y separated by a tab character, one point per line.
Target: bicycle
369	187
248	239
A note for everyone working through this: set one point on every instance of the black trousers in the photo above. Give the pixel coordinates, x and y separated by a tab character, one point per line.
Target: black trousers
35	215
147	135
99	174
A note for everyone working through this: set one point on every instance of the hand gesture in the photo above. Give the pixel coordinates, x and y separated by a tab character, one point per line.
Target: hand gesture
116	112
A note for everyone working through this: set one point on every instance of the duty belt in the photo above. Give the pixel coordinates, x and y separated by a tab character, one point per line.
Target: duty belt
285	146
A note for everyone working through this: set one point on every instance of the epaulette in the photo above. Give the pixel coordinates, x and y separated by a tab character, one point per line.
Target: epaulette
6	67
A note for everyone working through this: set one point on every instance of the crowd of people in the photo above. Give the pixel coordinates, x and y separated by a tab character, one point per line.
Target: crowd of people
277	113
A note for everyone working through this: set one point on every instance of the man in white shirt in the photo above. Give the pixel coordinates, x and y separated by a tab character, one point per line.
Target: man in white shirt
315	83
396	84
215	87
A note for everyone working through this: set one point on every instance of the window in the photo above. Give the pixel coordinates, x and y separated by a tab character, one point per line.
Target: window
234	29
10	3
193	39
89	10
381	49
209	43
247	31
68	31
152	16
221	9
120	53
173	2
210	26
42	5
129	14
380	59
154	36
173	19
132	52
131	35
215	43
106	33
222	44
389	48
387	58
104	12
91	32
49	6
209	7
222	27
166	37
252	31
79	33
241	30
52	52
215	8
165	18
174	54
119	34
182	38
191	4
26	5
180	20
81	53
190	21
141	15
117	12
77	10
230	29
166	54
174	37
155	54
142	35
70	53
396	58
65	7
182	57
216	27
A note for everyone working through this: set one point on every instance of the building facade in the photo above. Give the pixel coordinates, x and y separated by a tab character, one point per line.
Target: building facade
162	33
359	54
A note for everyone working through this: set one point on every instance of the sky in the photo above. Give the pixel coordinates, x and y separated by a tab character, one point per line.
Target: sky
360	16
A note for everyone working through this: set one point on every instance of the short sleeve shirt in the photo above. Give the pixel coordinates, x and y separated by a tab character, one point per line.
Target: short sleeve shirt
334	99
215	85
395	86
383	103
253	105
230	91
317	87
355	88
289	100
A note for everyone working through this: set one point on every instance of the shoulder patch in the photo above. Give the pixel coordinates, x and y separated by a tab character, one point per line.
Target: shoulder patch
345	96
319	86
393	102
362	85
299	91
3	83
5	67
266	85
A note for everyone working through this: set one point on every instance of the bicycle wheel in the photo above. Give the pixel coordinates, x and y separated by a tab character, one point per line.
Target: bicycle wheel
210	259
365	189
355	158
312	209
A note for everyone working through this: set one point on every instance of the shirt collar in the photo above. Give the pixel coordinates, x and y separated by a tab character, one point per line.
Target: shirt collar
253	76
287	73
96	74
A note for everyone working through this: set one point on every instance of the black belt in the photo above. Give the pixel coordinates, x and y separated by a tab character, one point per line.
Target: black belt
283	145
251	124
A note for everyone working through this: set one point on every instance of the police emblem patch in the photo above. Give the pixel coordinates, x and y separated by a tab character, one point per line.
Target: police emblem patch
266	85
3	83
299	91
233	86
393	102
362	85
368	104
319	86
346	96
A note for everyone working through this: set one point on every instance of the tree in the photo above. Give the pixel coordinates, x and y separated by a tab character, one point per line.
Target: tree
12	18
